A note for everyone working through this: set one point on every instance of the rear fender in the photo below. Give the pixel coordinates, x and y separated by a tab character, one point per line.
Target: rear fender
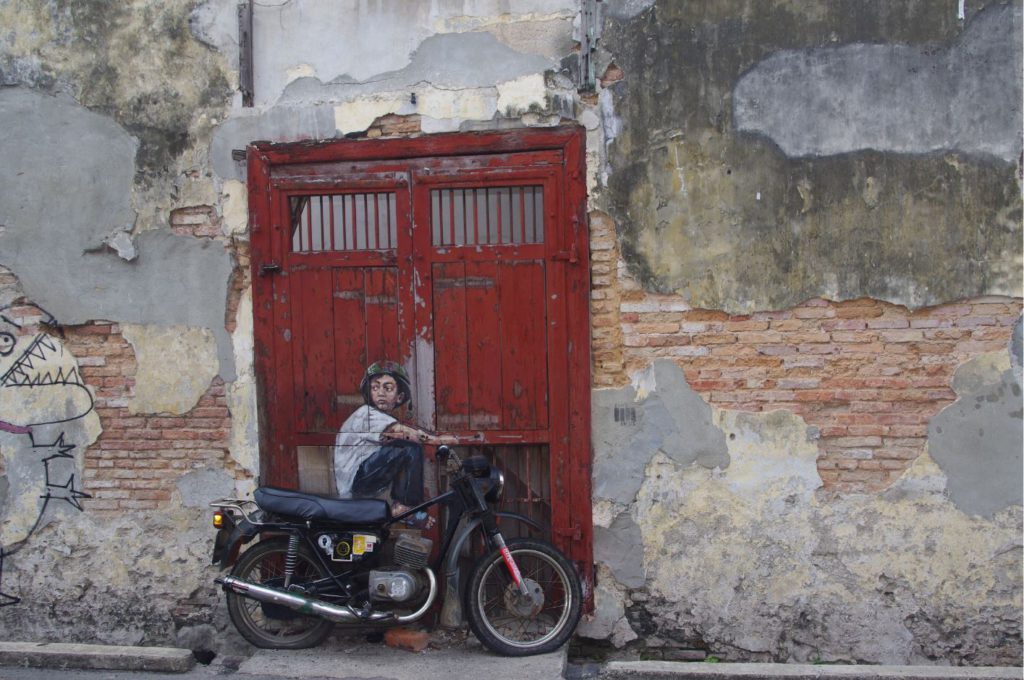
230	540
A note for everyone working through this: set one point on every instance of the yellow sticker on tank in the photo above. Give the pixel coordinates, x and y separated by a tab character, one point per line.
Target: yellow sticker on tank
358	544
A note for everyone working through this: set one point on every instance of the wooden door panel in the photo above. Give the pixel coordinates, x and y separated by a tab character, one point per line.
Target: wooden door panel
451	354
345	319
524	363
490	345
381	300
365	327
348	324
484	345
314	385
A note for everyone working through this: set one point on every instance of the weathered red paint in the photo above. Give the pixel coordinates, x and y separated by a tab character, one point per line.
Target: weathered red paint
499	334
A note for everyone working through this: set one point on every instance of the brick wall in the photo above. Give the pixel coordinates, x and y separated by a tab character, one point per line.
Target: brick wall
138	458
198	220
869	375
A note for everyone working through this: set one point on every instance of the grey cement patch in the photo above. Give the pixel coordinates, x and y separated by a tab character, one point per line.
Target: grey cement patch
304	105
669	417
978	442
364	41
199	487
621	548
82	162
446	61
279	124
906	99
83	165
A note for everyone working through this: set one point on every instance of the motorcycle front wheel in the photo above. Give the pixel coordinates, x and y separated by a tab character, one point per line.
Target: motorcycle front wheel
273	626
513	624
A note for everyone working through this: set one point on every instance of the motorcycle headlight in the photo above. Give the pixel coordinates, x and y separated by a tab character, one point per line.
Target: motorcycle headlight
497	480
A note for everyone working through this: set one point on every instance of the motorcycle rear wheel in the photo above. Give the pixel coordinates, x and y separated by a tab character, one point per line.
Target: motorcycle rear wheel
272	626
511	625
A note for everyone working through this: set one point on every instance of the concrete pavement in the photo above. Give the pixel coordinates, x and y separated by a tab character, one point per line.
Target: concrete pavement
674	670
352	658
95	657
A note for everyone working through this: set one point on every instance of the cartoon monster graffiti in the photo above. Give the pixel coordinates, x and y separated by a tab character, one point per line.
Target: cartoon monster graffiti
41	397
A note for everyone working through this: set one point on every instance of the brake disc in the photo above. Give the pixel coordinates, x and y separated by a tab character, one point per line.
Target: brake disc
524	606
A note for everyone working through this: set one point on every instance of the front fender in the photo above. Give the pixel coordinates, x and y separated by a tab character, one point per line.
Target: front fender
452	558
451	612
230	540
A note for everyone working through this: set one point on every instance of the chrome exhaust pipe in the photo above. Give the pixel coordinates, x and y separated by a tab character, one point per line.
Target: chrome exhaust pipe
313	607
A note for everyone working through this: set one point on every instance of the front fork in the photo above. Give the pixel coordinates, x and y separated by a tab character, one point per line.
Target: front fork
498	541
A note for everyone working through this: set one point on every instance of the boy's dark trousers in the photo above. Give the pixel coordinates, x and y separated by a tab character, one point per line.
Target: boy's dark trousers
399	465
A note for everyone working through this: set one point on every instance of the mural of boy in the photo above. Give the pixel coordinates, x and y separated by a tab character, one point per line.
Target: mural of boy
374	452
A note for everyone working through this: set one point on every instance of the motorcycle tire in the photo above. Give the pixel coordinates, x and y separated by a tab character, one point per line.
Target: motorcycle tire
512	625
271	626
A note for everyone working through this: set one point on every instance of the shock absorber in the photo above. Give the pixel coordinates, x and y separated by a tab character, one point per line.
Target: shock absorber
291	559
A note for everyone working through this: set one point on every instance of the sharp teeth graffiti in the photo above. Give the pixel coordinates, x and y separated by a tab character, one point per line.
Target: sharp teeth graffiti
41	395
39	385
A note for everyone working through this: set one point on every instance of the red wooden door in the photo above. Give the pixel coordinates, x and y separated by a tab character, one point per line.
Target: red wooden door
462	257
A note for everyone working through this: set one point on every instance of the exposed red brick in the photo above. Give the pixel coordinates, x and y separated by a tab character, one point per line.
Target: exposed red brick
137	459
868	374
407	639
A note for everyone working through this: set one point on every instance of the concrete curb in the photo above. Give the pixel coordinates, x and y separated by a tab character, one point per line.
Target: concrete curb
673	670
96	657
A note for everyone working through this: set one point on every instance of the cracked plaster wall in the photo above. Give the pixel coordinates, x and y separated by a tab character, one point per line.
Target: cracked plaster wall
175	367
117	116
845	150
743	554
323	86
678	485
124	579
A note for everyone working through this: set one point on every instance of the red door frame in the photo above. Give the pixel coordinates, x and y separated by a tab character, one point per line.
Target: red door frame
572	526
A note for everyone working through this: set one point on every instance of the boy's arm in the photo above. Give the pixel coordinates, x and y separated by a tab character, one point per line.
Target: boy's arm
411	433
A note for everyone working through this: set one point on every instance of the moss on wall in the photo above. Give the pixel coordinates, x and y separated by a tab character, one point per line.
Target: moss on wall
136	62
725	218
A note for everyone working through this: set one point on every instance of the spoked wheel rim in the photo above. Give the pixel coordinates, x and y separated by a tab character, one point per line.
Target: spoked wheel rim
275	622
525	621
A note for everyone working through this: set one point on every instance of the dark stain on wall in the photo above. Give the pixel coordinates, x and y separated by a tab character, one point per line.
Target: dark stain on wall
159	112
138	64
726	219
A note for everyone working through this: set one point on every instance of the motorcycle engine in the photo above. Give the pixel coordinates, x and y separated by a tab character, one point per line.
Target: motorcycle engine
400	585
393	586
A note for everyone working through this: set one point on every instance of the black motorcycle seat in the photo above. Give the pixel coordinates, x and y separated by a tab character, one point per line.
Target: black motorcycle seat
309	506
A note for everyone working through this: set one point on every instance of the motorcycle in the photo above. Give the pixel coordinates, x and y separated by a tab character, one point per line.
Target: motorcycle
324	561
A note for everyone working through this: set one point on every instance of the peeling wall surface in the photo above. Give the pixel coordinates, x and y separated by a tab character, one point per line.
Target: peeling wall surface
842	151
805	265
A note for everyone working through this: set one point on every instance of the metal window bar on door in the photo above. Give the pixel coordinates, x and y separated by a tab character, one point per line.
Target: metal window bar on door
343	222
487	216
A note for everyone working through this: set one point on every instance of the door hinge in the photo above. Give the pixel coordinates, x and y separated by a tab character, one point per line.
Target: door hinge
573	532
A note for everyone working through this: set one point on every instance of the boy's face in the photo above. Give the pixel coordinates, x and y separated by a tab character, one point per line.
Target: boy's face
384	394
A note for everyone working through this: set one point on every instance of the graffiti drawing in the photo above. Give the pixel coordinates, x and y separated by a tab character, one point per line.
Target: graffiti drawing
41	394
56	465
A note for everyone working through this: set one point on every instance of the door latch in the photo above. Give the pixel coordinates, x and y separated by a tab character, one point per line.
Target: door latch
269	268
572	255
572	532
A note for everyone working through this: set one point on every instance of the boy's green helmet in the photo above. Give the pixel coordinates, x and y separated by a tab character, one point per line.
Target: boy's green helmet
395	370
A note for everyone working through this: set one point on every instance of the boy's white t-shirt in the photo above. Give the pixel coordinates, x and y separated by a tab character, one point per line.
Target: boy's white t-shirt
357	440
